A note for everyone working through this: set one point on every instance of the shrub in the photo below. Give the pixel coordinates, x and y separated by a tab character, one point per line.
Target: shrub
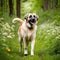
48	36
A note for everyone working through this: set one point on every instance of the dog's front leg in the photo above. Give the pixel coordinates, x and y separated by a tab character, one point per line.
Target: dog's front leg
32	46
25	47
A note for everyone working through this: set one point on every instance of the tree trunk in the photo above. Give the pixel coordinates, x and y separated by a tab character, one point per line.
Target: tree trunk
2	1
10	7
18	8
56	3
1	8
46	5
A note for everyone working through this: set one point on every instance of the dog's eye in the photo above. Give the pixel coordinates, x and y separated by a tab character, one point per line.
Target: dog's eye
33	15
30	16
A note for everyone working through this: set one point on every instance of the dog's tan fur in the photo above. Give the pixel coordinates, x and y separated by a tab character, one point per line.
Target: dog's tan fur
25	34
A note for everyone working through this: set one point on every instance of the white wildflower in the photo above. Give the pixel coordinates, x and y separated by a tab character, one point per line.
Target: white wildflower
48	31
12	28
7	25
9	36
13	25
5	33
43	25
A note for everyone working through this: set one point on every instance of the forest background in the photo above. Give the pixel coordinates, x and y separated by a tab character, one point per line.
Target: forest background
47	45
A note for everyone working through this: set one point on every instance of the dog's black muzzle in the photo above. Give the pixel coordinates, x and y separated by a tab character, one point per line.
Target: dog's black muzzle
32	21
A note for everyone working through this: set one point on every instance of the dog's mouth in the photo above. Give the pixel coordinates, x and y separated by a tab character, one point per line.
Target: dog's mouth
32	21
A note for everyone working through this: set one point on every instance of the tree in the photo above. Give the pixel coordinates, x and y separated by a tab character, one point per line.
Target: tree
18	8
46	2
1	3
1	7
56	3
10	7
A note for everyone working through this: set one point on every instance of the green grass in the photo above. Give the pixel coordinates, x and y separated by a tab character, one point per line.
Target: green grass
47	46
44	47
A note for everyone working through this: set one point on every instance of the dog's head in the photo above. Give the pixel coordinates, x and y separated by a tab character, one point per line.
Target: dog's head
31	18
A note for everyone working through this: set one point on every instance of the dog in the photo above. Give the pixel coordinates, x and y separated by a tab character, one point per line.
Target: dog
27	31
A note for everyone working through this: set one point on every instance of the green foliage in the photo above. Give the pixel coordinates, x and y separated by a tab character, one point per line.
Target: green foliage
47	45
6	33
48	36
6	30
50	16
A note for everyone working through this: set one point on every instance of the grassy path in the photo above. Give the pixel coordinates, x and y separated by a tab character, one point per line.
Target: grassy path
9	50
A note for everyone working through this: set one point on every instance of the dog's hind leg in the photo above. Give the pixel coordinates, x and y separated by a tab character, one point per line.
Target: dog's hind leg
20	42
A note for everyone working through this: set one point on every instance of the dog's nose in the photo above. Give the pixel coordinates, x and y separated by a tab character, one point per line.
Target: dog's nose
33	19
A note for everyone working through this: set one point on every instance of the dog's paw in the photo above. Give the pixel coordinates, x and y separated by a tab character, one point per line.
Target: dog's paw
32	54
25	54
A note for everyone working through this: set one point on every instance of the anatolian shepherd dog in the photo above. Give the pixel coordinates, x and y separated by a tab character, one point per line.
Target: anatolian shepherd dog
27	31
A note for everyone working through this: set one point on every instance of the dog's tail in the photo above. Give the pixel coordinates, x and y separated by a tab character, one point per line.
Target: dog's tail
17	20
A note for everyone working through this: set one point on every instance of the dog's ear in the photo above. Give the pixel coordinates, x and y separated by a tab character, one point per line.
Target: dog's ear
26	16
37	17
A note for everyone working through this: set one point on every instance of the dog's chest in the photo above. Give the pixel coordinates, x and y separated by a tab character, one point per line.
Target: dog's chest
27	32
30	33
